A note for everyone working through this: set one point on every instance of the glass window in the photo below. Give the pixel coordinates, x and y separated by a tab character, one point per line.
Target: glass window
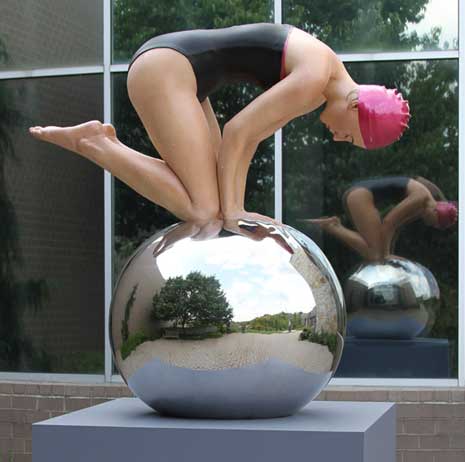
50	33
376	26
401	331
134	21
51	215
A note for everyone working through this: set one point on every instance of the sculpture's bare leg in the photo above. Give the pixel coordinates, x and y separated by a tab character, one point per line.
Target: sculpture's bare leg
185	181
162	87
369	239
352	239
367	221
150	177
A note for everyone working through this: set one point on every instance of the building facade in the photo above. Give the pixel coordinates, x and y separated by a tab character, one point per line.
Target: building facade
66	226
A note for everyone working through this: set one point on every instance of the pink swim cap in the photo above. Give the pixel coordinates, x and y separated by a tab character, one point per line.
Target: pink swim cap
382	114
447	213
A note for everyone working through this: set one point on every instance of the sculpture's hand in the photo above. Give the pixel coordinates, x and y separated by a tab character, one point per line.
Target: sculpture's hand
251	226
243	215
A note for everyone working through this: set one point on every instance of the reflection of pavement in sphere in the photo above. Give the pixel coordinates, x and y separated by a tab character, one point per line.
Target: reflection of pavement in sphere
231	351
395	299
211	327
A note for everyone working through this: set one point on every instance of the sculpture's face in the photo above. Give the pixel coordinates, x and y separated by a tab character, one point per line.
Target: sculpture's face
430	217
230	326
342	121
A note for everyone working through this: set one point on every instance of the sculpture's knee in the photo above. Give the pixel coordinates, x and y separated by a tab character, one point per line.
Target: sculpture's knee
206	212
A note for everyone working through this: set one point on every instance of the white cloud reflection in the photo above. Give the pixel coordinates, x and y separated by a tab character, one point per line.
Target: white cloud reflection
257	277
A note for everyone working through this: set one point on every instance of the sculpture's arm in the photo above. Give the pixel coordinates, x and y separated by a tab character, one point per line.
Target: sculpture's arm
291	97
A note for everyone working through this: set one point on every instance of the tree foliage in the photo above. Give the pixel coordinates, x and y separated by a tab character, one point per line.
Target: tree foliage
192	301
274	322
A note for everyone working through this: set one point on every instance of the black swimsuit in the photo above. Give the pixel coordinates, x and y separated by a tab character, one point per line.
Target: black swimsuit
389	188
250	52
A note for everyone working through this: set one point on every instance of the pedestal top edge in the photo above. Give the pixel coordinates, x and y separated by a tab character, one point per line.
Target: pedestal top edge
318	416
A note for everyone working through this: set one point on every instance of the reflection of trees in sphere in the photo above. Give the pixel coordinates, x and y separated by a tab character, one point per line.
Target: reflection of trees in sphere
243	324
394	299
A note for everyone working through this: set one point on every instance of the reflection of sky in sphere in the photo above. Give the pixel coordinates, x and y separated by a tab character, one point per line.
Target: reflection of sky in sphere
257	277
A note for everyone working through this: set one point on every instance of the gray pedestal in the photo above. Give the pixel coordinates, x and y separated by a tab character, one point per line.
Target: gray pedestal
126	430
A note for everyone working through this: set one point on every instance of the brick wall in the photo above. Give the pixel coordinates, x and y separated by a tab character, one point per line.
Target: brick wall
430	422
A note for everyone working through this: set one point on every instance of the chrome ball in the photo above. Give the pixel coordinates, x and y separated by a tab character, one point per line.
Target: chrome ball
397	299
243	322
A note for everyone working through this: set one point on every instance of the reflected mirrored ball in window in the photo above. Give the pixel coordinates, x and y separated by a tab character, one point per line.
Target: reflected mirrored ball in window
395	299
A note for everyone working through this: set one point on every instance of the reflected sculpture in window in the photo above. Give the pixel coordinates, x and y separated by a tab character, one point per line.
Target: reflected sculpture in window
412	199
388	296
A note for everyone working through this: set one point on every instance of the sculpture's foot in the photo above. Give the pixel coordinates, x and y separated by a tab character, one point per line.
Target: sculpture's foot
78	138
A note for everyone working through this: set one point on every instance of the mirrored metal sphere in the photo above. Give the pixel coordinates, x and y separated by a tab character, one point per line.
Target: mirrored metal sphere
243	322
394	299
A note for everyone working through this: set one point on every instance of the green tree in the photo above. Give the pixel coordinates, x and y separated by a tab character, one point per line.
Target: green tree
360	25
275	322
196	300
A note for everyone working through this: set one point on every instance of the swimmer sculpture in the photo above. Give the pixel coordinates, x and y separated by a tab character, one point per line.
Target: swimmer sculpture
416	198
202	172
